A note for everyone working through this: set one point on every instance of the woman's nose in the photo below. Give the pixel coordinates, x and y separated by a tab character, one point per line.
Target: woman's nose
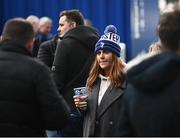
101	55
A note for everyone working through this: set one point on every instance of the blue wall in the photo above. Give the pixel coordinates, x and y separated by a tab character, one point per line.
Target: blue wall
100	12
144	19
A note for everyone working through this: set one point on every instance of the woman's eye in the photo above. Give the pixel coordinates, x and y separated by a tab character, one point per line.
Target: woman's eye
98	53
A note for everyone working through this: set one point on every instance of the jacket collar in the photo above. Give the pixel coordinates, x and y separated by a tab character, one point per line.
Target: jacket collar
111	95
12	46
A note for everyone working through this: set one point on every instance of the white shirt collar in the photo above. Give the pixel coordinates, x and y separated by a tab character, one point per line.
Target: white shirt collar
103	77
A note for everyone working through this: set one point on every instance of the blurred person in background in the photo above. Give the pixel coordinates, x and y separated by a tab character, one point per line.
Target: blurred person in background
47	50
151	105
34	20
43	34
154	48
45	25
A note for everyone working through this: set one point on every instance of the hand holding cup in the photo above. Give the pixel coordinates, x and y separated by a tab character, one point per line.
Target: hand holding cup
80	98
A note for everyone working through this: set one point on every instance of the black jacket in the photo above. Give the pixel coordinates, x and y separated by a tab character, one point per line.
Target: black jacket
29	100
71	56
47	50
40	38
151	100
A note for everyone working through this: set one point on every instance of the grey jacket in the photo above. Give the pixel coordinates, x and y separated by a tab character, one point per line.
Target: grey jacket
102	120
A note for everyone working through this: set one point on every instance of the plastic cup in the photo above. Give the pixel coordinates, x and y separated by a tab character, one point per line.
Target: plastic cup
80	91
82	95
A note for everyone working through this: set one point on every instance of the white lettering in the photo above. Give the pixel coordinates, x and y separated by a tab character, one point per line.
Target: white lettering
112	37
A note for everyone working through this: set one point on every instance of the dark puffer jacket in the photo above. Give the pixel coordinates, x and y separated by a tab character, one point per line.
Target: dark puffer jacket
29	100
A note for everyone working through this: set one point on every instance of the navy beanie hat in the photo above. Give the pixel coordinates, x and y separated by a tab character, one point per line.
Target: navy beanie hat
110	41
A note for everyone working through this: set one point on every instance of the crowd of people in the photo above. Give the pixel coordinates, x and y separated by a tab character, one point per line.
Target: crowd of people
39	71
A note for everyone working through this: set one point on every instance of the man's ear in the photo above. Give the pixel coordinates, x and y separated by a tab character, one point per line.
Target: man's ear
30	45
73	24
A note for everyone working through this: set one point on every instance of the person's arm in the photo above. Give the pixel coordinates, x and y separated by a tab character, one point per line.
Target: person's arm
55	110
44	53
60	66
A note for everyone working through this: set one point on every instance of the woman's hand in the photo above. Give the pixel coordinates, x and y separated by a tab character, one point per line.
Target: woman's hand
81	101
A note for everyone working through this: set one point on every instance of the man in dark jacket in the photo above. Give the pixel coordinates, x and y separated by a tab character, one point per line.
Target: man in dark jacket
29	100
72	62
47	51
151	101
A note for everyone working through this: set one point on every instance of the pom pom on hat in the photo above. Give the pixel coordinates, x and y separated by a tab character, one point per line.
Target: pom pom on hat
110	28
110	41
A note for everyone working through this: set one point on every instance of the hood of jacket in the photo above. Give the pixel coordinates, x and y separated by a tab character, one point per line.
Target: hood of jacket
155	73
88	36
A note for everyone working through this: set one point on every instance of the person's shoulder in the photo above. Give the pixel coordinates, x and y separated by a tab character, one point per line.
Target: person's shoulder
66	43
35	63
47	43
137	61
81	30
88	30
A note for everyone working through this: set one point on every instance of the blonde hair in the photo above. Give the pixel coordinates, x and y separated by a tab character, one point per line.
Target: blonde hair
116	73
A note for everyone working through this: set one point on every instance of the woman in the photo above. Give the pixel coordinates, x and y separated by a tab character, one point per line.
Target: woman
105	86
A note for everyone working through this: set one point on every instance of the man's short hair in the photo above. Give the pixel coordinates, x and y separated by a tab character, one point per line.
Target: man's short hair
169	29
19	30
73	15
32	18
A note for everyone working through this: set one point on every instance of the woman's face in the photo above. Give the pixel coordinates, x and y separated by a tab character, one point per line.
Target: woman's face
105	60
